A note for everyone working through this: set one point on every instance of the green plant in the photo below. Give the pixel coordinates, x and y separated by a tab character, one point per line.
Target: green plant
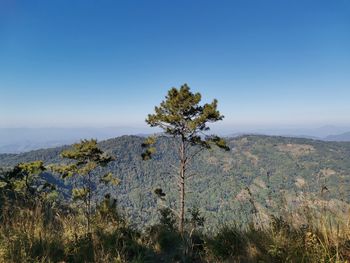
85	158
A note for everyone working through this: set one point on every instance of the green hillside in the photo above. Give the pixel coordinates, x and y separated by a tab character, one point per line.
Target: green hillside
263	174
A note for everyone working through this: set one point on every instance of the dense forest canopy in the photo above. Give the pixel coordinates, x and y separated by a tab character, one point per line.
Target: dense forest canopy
268	166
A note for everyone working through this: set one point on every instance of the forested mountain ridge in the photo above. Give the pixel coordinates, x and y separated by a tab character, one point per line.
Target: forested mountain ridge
260	173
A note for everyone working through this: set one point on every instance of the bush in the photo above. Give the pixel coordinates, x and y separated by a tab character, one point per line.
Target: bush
227	243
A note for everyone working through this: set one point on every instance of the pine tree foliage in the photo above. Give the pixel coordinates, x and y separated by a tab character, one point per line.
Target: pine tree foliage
26	180
85	157
181	115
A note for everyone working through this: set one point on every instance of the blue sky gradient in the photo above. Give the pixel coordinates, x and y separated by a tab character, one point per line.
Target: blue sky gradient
108	63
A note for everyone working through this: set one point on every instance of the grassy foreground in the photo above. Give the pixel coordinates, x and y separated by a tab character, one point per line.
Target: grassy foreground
41	232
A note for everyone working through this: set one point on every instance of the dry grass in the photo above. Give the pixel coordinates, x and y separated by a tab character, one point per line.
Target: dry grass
296	150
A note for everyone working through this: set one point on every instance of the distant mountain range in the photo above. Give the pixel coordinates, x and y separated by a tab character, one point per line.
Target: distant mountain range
344	137
18	140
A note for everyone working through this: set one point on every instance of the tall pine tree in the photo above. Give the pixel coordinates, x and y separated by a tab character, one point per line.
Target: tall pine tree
181	116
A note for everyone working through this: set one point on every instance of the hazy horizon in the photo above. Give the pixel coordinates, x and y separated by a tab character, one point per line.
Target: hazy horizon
17	140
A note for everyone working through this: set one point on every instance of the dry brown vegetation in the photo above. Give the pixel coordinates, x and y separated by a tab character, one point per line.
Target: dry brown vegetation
296	150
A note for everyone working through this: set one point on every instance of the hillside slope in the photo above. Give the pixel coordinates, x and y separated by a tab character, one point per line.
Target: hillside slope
264	174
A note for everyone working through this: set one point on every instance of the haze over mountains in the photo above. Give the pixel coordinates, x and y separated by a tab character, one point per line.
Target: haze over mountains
344	137
17	140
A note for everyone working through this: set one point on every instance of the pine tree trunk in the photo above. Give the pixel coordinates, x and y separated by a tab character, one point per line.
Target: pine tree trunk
182	202
182	186
89	205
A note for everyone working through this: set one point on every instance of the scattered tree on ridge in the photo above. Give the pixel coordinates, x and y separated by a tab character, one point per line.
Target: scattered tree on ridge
86	157
180	116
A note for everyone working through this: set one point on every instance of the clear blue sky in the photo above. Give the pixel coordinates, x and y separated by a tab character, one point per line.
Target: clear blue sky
72	63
